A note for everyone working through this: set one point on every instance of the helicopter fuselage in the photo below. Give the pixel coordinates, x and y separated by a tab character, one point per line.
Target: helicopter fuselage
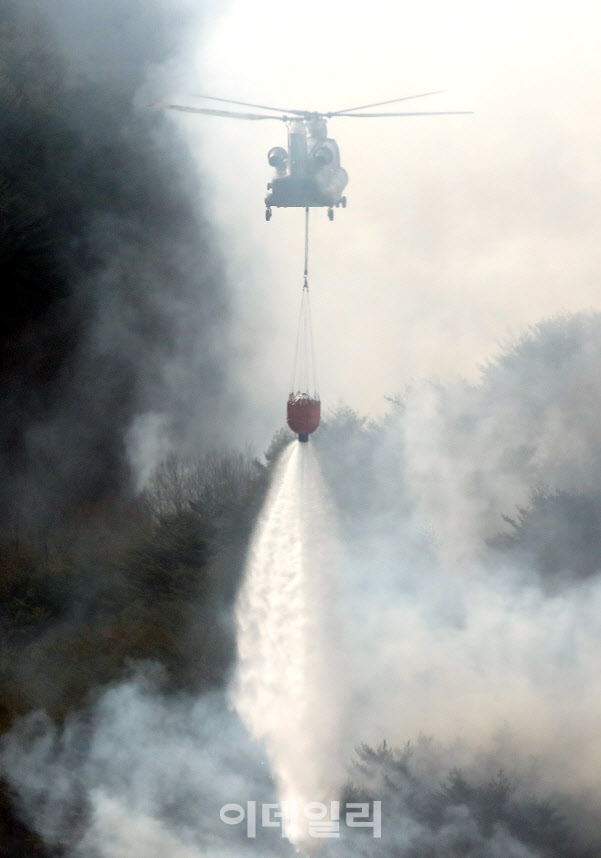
308	173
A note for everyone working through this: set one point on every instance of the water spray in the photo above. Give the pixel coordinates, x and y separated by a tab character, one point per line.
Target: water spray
288	686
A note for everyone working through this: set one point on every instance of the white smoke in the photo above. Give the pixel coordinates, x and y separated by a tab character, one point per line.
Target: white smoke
140	774
448	638
145	774
473	453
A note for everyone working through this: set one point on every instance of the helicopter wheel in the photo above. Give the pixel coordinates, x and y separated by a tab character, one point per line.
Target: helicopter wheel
267	214
331	213
343	202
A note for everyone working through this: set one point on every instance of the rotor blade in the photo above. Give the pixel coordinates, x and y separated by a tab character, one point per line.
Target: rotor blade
376	115
208	111
380	103
247	104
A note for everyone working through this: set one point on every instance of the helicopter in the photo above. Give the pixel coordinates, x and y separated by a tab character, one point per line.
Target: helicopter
308	174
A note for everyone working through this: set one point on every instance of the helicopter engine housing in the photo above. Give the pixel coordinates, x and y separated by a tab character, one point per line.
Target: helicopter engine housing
277	157
322	155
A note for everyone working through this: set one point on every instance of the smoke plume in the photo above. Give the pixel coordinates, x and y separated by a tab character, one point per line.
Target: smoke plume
469	536
473	634
114	330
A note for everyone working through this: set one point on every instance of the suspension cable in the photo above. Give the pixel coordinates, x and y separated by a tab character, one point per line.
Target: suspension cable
306	283
304	352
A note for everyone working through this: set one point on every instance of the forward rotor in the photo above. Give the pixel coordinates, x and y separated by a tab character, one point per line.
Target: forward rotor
289	115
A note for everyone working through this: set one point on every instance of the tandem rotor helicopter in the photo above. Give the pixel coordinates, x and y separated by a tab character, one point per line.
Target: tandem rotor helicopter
308	174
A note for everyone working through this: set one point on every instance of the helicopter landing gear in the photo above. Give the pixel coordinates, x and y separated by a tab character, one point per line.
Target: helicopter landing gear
343	202
331	213
267	214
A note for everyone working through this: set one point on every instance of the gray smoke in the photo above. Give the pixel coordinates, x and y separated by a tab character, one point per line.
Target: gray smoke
470	513
115	331
472	532
472	632
141	773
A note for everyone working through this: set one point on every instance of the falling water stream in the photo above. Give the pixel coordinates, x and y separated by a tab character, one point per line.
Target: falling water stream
287	688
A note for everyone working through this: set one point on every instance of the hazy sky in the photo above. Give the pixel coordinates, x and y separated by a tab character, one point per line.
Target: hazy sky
460	231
